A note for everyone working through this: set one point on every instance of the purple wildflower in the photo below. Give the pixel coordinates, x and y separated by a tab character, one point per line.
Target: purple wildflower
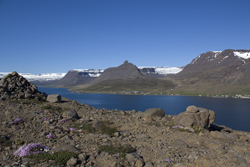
178	126
46	119
63	120
18	120
14	122
168	160
40	111
32	148
50	136
72	129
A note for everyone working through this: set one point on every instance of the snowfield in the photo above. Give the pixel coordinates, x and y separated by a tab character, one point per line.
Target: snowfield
244	55
38	77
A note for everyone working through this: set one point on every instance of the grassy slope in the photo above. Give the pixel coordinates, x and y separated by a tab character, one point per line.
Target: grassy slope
142	85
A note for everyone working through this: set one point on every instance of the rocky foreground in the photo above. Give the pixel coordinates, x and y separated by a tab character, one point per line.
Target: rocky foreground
41	130
138	140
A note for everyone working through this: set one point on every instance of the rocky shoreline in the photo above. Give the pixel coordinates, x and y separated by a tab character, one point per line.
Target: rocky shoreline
63	132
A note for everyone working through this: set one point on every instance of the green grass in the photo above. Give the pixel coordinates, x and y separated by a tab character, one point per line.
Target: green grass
60	157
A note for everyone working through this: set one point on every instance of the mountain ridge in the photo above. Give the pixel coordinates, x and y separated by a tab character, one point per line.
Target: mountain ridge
219	72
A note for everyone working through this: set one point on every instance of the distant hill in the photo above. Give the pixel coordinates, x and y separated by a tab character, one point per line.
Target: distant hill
216	72
83	76
126	77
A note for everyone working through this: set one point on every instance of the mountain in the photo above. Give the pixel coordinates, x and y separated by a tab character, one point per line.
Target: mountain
78	76
126	77
82	76
216	72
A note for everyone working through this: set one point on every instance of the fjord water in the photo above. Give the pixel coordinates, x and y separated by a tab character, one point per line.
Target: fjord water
233	113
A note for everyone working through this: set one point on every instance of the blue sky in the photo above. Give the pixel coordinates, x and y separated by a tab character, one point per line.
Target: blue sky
43	36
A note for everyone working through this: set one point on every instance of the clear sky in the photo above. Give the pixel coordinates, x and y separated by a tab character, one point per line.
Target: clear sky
45	36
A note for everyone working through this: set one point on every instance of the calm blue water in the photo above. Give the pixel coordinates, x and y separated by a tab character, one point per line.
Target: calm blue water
234	113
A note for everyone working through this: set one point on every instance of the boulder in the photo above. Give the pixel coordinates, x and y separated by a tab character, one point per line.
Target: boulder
72	161
192	109
70	114
155	112
192	117
222	135
55	98
65	147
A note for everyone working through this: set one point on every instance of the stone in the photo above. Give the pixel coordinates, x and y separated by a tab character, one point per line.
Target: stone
155	112
82	157
65	147
133	158
70	114
72	162
221	135
211	116
192	109
147	118
191	118
55	98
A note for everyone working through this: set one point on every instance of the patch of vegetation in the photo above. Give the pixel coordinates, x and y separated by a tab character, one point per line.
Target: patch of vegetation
5	141
116	149
60	157
105	129
19	142
198	129
84	126
52	108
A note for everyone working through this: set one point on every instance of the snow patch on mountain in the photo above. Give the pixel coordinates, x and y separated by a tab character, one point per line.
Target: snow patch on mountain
244	55
90	72
38	77
163	70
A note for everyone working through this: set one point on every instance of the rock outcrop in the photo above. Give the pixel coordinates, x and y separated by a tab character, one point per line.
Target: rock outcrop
195	116
14	86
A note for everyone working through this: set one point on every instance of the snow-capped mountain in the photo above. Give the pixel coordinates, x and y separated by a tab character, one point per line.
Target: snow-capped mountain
228	67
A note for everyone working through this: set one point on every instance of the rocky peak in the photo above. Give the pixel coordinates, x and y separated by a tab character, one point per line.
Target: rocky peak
15	86
126	70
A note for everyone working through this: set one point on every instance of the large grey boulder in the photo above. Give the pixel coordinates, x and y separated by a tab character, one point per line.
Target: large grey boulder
55	98
155	112
201	118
